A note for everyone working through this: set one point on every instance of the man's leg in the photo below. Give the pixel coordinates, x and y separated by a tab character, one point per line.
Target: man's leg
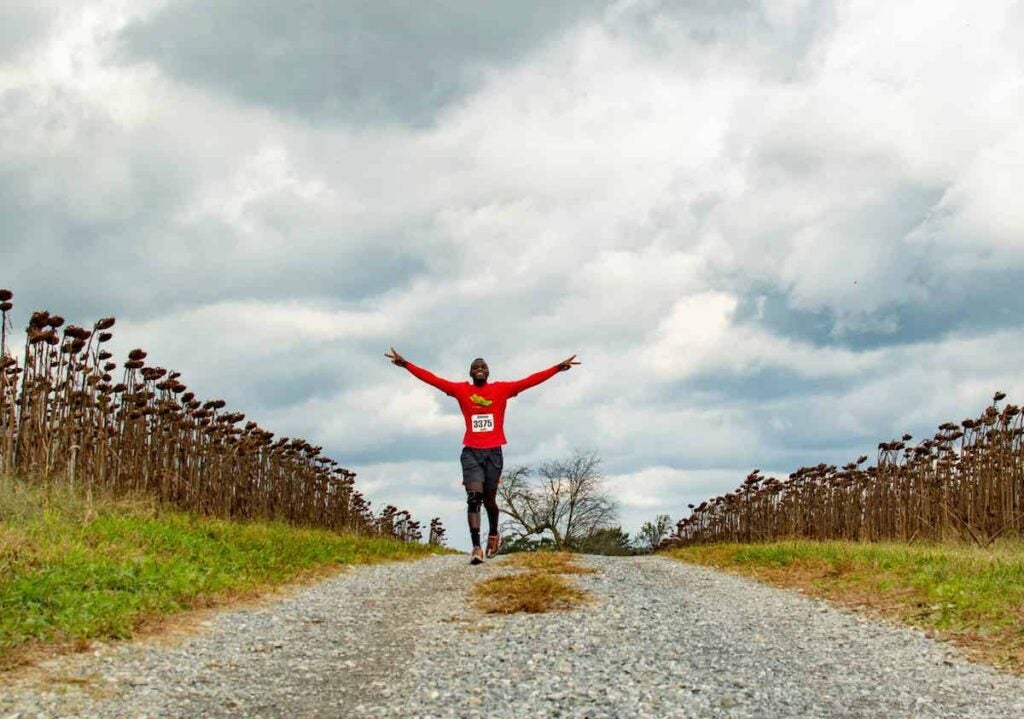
473	481
474	498
491	505
492	474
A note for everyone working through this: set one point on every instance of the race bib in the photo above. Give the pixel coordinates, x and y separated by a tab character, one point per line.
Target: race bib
482	422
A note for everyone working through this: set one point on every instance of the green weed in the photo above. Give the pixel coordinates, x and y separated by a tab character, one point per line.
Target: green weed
74	569
970	595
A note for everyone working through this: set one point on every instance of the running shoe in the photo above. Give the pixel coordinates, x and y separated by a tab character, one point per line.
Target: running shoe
476	556
493	544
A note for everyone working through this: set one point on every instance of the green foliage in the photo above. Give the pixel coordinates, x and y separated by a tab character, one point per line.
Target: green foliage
651	533
511	544
73	568
611	541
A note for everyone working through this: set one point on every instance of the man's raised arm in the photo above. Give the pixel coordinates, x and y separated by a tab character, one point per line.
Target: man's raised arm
446	386
537	377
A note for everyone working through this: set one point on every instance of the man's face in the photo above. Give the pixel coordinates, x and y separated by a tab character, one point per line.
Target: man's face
478	370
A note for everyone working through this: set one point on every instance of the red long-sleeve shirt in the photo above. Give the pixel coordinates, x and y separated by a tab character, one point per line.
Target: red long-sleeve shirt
483	408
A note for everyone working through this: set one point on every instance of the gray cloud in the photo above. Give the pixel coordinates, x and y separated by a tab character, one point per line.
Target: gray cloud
353	61
22	23
778	39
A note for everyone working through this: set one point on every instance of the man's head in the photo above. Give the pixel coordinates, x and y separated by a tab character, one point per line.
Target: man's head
478	371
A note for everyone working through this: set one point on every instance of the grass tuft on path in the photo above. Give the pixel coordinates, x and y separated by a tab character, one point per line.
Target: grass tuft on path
74	568
552	562
541	588
970	596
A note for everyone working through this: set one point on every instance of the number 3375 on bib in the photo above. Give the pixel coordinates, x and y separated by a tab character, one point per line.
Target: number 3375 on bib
482	422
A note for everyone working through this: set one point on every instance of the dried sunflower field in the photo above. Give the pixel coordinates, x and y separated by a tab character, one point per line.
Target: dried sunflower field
69	410
965	483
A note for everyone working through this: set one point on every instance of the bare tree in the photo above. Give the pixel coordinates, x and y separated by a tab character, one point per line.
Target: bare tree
564	497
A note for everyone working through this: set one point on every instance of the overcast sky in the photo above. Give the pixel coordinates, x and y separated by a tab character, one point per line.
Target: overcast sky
775	232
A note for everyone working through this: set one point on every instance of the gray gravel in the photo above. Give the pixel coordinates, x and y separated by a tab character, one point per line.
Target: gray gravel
662	639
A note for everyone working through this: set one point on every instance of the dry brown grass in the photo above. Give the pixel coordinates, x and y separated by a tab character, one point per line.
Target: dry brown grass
12	545
555	562
540	588
532	592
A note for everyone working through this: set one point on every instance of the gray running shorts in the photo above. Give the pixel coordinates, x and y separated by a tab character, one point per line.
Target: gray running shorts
481	465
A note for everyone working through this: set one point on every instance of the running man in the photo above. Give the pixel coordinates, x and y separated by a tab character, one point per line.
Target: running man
483	408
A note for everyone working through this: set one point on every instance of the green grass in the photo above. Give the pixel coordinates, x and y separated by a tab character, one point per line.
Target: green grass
972	596
74	569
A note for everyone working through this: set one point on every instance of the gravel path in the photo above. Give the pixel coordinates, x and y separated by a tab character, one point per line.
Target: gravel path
662	639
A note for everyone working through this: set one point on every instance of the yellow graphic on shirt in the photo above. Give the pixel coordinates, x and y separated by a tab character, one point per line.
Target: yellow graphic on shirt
477	399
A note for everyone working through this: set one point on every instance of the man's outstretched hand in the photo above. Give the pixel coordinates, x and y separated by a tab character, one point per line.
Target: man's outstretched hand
396	358
563	365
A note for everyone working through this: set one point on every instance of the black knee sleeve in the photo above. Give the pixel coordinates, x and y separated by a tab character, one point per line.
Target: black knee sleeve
473	501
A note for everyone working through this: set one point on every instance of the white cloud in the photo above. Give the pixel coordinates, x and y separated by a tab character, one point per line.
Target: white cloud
260	327
622	192
979	222
426	489
699	336
644	494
